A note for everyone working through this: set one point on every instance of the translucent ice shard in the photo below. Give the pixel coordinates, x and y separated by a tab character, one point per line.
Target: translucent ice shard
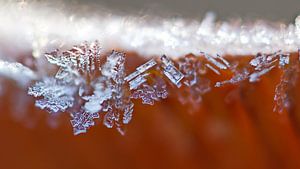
137	78
173	74
141	69
222	64
237	77
136	82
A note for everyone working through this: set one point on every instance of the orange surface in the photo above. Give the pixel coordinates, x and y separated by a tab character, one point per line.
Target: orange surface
234	127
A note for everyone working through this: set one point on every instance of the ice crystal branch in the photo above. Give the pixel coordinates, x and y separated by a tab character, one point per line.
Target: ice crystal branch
56	95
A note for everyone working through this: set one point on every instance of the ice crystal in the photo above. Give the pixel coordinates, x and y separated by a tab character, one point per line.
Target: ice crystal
82	120
173	74
191	67
55	95
118	108
141	69
85	57
75	66
215	62
221	64
287	82
263	63
138	77
149	94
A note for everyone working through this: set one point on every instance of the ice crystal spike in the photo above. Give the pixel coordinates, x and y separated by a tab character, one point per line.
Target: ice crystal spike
237	77
173	74
213	60
56	95
82	120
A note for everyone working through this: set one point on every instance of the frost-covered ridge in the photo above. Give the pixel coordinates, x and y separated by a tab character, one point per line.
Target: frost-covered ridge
39	26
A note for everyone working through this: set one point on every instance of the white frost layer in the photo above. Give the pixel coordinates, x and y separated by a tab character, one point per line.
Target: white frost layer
37	26
16	71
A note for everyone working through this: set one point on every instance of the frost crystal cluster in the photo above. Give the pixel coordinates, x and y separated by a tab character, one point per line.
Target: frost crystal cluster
84	87
90	85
